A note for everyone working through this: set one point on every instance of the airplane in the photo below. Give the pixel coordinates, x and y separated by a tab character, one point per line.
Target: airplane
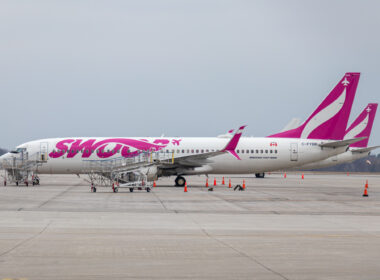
361	127
318	138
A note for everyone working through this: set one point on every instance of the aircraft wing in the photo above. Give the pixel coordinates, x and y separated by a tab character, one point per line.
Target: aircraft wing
341	143
198	160
365	150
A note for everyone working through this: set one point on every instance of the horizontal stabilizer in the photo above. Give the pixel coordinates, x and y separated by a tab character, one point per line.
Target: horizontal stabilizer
365	150
342	143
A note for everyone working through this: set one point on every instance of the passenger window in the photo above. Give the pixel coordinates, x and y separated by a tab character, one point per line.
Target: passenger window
192	151
266	151
261	151
177	151
167	151
183	151
275	151
188	151
202	151
238	151
207	151
242	151
257	151
271	151
252	151
247	151
197	151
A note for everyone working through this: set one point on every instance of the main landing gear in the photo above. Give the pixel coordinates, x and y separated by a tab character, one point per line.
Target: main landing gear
180	181
260	175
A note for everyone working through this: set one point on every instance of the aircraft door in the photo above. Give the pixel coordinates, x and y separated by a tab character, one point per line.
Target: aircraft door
44	151
294	152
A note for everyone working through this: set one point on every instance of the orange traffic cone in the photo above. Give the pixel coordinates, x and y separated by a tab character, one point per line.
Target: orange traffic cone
154	184
365	192
366	184
206	182
285	175
185	189
223	181
229	184
243	184
214	181
303	177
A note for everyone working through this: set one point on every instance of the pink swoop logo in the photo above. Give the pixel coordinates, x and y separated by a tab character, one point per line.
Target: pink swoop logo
72	147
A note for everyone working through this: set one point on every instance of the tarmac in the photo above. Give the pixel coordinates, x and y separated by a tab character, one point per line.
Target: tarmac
320	227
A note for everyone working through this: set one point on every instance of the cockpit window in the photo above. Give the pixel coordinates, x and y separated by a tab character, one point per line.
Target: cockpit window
18	150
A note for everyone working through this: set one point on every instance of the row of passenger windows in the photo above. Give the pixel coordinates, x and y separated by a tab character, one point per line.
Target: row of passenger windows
192	151
257	151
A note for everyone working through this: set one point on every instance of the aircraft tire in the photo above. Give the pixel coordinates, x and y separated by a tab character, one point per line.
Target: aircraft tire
180	181
260	175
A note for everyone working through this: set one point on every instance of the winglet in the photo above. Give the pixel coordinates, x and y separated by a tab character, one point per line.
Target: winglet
232	144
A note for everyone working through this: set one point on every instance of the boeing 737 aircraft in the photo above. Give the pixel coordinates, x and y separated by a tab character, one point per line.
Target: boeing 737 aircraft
361	127
318	138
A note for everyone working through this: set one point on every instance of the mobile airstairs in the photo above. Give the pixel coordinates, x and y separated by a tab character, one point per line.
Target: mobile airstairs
138	172
22	168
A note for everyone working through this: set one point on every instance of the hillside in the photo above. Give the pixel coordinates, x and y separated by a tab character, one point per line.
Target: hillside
2	151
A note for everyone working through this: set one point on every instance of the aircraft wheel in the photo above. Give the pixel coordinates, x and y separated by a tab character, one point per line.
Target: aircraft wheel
148	189
180	181
131	189
260	175
115	189
16	183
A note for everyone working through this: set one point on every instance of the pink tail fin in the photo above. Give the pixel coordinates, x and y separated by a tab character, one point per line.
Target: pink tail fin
329	120
362	126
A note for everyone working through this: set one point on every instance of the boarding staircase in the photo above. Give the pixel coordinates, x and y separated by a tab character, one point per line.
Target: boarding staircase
138	171
20	167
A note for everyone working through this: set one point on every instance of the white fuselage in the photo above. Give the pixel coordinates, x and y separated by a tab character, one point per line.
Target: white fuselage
346	157
257	154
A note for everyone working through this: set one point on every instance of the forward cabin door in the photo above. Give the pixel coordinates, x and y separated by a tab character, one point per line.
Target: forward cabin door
44	151
294	151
